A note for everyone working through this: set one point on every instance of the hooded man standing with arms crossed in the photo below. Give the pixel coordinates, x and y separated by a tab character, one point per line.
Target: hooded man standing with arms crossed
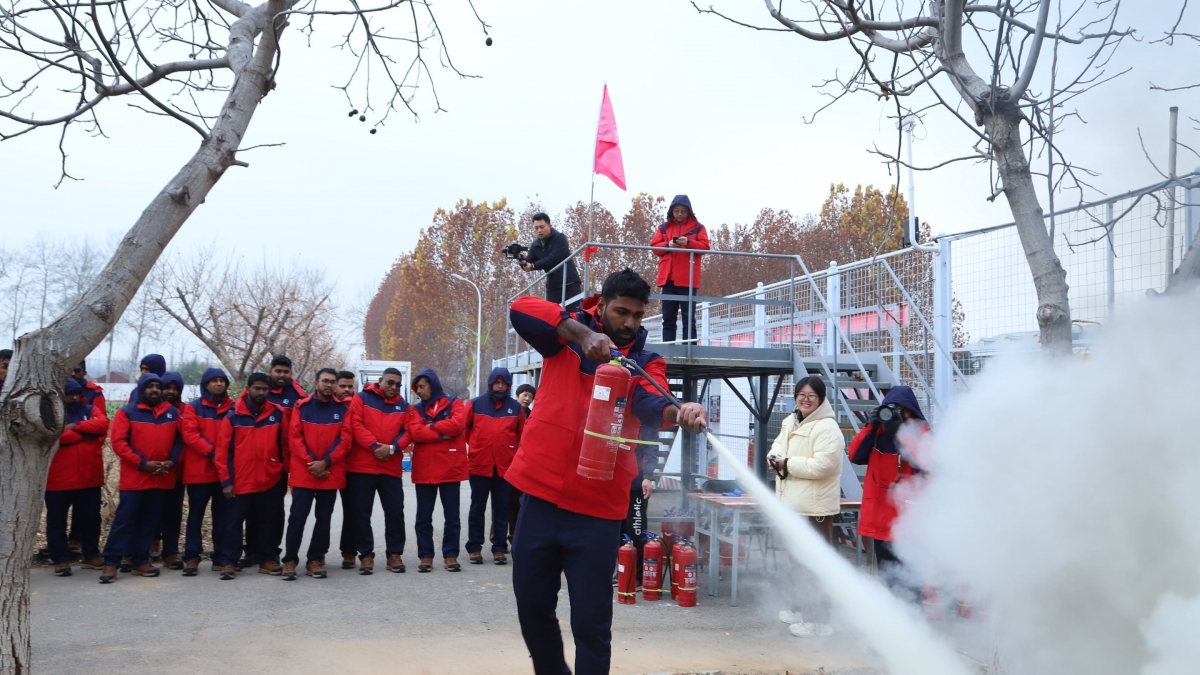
569	524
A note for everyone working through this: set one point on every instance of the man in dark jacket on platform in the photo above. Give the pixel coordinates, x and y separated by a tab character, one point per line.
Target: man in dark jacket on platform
550	249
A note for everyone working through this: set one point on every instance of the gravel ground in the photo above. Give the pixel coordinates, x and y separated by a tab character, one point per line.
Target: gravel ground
392	623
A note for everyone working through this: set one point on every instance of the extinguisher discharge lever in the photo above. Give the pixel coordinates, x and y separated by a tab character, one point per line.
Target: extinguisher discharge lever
618	356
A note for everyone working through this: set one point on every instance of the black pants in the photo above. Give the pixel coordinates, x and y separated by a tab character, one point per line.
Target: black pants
427	496
271	510
85	516
893	573
633	526
671	307
139	515
200	495
254	511
302	504
172	520
556	295
481	488
550	542
346	541
514	509
362	488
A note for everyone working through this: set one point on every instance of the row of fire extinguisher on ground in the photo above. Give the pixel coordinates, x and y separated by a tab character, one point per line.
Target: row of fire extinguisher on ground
667	562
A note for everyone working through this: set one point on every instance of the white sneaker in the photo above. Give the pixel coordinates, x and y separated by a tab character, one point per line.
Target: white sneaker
789	617
807	630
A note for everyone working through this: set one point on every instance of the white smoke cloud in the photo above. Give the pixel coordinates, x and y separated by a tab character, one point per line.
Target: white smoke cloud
1066	500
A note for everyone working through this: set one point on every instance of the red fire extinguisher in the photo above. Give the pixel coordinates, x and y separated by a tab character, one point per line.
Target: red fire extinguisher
627	573
606	416
675	569
652	552
685	562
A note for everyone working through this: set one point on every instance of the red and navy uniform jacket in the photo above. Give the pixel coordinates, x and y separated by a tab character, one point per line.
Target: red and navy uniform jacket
250	447
374	421
141	434
79	462
493	432
673	267
437	428
93	395
886	468
201	424
318	432
546	462
286	398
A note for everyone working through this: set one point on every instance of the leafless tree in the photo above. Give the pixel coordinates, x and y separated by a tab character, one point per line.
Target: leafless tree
994	67
15	274
246	316
207	65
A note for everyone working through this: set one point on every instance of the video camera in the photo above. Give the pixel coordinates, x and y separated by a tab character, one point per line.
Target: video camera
515	251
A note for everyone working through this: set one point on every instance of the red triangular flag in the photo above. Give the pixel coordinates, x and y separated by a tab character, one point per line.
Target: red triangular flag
608	147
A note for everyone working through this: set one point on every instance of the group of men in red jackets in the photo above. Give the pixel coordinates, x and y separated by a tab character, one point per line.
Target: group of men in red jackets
239	456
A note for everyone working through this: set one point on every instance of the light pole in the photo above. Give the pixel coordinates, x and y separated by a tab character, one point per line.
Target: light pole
478	326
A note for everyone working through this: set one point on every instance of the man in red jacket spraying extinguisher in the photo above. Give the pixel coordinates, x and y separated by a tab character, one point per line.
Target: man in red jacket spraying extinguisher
439	465
569	524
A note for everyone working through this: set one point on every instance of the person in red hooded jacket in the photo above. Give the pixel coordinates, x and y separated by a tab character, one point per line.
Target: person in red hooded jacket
679	273
166	541
494	422
317	447
568	523
439	466
147	440
201	423
880	445
249	459
377	419
76	475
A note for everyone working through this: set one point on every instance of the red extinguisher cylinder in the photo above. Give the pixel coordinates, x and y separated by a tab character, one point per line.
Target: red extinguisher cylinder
675	569
606	417
627	574
652	568
686	563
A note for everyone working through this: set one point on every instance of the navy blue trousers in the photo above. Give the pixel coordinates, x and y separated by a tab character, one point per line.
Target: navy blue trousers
302	504
172	520
260	529
549	542
427	496
362	488
346	541
85	519
271	510
199	496
671	307
481	488
139	516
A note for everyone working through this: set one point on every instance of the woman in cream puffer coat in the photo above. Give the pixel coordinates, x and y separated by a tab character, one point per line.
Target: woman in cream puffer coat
807	461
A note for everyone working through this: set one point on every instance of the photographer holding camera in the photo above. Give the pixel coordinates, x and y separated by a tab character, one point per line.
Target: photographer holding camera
807	460
550	249
881	448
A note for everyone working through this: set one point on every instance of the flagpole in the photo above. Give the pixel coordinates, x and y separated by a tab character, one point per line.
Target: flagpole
592	195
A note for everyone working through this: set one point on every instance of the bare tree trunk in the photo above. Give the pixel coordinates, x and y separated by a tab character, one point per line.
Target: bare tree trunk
31	403
1049	277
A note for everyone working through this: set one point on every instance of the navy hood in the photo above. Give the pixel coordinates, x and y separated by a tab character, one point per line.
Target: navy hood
677	201
172	376
155	363
212	374
72	387
500	374
904	397
435	386
145	379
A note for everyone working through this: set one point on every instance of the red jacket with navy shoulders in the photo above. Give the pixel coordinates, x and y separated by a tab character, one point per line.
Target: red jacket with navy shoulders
493	433
93	395
201	424
286	398
79	462
318	432
439	443
373	421
250	447
545	464
673	267
140	434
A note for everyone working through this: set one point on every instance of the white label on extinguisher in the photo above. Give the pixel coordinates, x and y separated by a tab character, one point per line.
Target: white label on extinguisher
621	569
601	393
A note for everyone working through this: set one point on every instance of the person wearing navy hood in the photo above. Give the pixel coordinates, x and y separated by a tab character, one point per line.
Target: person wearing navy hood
166	542
881	446
201	423
439	465
76	475
150	363
494	422
679	273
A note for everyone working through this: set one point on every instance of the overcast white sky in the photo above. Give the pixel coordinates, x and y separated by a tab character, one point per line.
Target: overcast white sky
703	107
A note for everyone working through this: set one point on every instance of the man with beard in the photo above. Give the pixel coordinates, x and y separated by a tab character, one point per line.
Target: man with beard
76	474
569	524
201	421
172	514
249	462
436	425
494	422
146	438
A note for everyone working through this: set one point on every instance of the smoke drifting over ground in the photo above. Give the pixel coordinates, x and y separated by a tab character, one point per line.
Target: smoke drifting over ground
1066	498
